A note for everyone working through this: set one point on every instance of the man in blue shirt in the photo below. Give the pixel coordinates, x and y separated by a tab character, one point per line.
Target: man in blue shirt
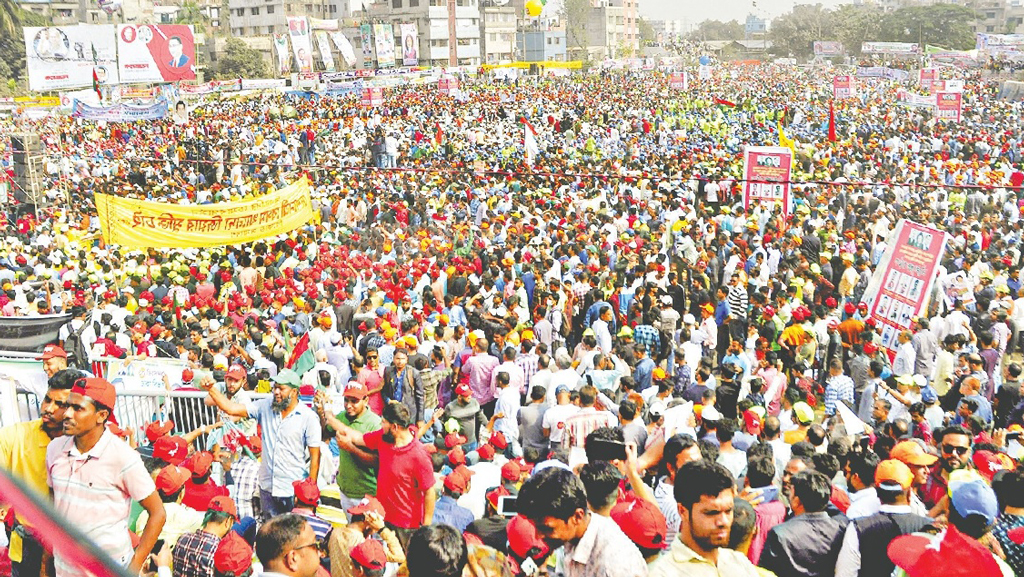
644	369
447	510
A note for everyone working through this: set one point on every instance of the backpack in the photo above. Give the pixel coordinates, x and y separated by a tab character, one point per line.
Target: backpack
78	358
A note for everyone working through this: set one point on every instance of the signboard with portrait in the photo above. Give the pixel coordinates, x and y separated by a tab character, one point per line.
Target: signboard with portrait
766	172
156	53
62	57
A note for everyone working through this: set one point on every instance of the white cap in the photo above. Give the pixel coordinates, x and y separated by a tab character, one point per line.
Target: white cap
710	413
689	320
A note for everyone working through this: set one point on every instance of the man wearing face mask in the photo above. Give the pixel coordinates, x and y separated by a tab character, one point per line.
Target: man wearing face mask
23	454
290	432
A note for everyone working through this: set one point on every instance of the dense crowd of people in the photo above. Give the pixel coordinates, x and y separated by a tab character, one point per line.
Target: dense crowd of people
583	358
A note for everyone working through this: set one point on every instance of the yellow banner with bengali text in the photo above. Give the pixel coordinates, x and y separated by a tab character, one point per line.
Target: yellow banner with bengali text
145	224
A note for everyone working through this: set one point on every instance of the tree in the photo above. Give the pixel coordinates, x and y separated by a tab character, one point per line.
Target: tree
949	25
12	51
575	14
855	24
10	16
647	34
239	60
794	34
190	13
718	30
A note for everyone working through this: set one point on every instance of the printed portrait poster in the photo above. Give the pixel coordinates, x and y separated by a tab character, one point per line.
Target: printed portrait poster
766	173
384	42
63	57
298	29
410	44
156	53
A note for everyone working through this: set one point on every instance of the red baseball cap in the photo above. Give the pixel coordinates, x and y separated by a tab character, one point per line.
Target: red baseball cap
499	441
510	471
495	494
99	390
458	479
223	504
236	371
356	390
172	478
463	390
233	555
453	440
158	429
306	491
954	555
752	422
523	538
199	463
485	452
369	504
369	554
850	308
642	522
457	456
50	351
174	450
187	375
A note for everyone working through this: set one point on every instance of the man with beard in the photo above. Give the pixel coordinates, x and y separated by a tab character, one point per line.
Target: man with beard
23	455
705	503
405	475
233	389
954	453
357	476
290	432
556	502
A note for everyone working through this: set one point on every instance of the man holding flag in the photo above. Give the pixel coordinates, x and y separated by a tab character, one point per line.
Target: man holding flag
290	432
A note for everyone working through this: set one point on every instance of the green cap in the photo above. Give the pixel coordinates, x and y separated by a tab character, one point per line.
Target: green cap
288	377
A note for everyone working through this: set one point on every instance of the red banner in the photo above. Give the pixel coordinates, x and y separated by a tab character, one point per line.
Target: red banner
766	171
902	283
678	81
844	87
927	76
950	105
373	96
448	85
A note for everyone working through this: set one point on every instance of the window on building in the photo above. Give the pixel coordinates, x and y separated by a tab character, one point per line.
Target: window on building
270	29
254	11
334	8
414	3
240	12
289	8
309	8
438	3
270	9
396	3
990	15
990	29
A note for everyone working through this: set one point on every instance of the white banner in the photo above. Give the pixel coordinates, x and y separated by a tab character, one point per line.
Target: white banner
384	41
318	24
156	53
61	57
324	44
890	48
345	48
298	29
284	58
263	83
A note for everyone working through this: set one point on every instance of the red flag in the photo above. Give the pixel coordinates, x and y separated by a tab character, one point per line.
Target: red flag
438	133
96	83
724	102
831	122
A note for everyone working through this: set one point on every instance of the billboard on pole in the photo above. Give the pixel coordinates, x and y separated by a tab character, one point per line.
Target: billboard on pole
298	29
410	44
62	57
156	53
766	172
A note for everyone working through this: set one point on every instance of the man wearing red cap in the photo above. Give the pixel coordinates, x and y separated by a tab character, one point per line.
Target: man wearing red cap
194	552
307	497
233	557
447	510
368	559
23	455
95	476
356	473
181	519
54	359
365	521
200	488
233	389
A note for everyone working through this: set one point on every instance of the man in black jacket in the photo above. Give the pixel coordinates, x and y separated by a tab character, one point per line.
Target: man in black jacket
807	544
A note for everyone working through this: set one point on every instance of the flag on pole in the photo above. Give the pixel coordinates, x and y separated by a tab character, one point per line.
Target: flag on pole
301	359
725	102
785	141
831	122
96	84
530	142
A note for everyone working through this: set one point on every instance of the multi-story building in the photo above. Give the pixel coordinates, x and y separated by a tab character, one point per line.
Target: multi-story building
498	25
606	32
267	17
541	45
61	13
631	32
438	22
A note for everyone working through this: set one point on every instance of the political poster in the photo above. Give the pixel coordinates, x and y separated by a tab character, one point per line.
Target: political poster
890	48
302	47
345	48
828	48
146	224
949	105
766	172
704	72
86	95
263	83
844	86
150	53
953	85
284	58
324	43
328	25
62	57
448	85
384	42
366	40
902	283
679	81
926	76
372	97
410	44
119	112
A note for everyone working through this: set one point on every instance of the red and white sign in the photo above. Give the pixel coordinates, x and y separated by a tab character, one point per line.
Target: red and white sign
156	53
902	283
373	96
448	85
844	87
927	76
678	81
949	104
955	85
766	171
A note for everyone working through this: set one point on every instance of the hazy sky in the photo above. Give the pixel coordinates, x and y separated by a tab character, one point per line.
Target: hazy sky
696	11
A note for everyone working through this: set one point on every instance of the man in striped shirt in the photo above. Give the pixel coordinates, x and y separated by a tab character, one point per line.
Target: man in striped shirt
95	476
738	301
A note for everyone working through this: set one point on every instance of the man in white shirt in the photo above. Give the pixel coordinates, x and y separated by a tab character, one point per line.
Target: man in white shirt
860	480
553	423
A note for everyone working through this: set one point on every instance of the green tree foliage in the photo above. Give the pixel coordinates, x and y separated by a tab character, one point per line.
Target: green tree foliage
718	30
238	60
795	33
12	50
647	33
575	14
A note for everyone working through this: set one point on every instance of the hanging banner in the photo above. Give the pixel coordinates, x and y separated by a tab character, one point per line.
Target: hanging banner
410	44
949	105
211	87
679	81
448	85
766	170
145	224
298	29
86	95
956	85
828	48
384	42
882	72
366	38
345	48
119	112
915	100
901	286
704	72
372	97
156	53
62	57
328	25
263	83
890	48
284	58
926	76
844	86
324	44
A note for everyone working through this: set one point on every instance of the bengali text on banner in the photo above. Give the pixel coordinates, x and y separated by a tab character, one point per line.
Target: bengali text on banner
145	224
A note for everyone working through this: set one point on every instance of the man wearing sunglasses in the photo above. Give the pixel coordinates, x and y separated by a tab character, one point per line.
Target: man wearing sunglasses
954	453
286	545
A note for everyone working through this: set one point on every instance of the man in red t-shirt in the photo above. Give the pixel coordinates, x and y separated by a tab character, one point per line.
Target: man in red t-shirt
405	475
200	489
